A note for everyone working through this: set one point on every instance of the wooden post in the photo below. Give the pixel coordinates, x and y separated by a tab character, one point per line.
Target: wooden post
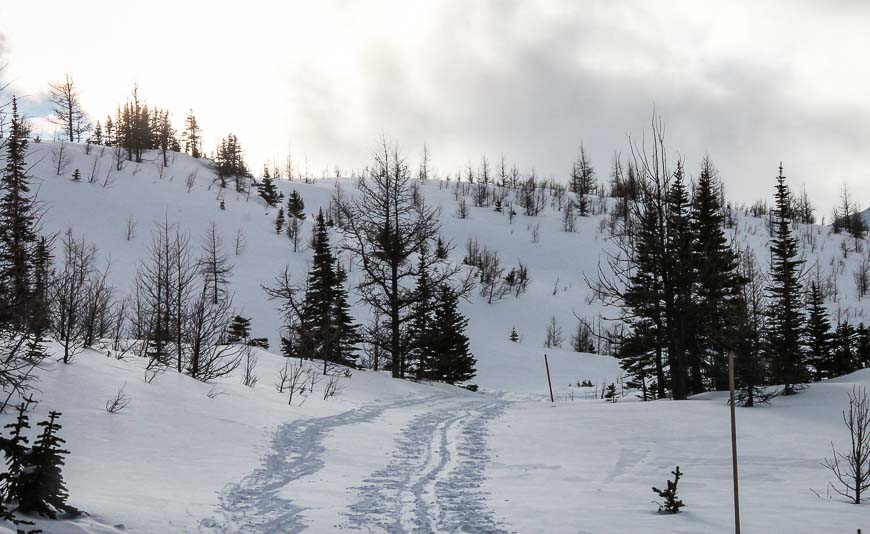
734	443
549	382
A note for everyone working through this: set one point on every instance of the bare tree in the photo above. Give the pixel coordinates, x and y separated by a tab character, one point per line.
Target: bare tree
60	157
70	293
240	242
852	468
207	324
130	229
293	379
385	232
63	97
214	263
554	337
249	379
294	231
120	401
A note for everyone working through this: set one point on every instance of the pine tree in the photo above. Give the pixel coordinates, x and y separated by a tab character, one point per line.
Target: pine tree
420	330
862	346
452	359
15	448
683	352
843	361
17	227
818	335
717	281
296	206
191	137
785	321
267	191
76	176
43	490
346	332
239	330
514	337
326	328
279	221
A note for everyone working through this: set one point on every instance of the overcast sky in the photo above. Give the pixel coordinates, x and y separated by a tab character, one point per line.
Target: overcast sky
752	83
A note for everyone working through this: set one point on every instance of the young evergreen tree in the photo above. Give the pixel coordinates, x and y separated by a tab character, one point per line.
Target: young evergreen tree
514	337
267	191
296	206
818	335
15	448
43	490
452	359
279	221
785	320
239	330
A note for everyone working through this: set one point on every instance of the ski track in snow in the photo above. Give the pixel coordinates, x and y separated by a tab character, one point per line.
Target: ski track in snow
253	505
433	483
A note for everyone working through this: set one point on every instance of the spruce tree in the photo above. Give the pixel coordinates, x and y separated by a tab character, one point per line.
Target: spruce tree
452	359
514	337
15	448
843	357
785	320
862	347
18	218
683	353
717	281
267	191
239	330
296	206
818	335
43	490
346	332
279	221
420	354
326	329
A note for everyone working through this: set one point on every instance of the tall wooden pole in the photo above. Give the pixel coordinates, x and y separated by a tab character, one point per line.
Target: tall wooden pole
734	443
549	382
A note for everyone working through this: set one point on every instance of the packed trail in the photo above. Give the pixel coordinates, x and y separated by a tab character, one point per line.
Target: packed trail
432	483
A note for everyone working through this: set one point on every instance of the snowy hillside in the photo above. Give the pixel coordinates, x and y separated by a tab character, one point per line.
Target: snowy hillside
388	455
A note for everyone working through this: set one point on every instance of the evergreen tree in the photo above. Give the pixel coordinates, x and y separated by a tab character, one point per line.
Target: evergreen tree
843	361
717	281
43	490
862	346
17	227
818	335
421	329
785	321
267	191
326	327
279	221
15	448
452	360
239	330
514	337
296	206
642	352
683	351
77	176
191	137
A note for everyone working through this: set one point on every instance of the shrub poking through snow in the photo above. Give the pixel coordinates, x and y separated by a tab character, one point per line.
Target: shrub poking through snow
672	503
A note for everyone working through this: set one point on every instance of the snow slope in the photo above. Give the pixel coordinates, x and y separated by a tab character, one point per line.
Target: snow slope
392	456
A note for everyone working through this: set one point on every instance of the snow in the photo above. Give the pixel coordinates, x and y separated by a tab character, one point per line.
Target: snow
391	455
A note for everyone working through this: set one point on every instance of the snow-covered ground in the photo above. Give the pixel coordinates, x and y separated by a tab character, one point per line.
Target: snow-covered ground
392	456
